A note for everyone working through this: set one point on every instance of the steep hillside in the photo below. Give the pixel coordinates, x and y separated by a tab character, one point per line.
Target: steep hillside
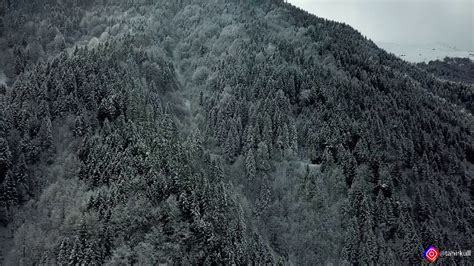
228	132
454	69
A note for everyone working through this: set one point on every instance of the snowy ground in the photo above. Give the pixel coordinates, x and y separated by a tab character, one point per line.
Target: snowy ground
3	78
424	52
304	164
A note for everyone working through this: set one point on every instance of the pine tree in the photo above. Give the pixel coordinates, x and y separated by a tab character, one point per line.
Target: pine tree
4	128
43	110
21	176
263	158
5	158
369	248
327	160
411	245
282	141
386	256
230	148
217	171
408	153
80	125
361	151
352	242
250	138
348	163
250	165
425	168
267	131
264	197
64	252
293	136
420	208
10	190
76	255
46	133
46	139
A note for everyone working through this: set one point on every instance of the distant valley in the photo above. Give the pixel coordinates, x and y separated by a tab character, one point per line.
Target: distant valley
417	53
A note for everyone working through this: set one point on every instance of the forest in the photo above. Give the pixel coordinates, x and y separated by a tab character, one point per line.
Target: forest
224	132
453	69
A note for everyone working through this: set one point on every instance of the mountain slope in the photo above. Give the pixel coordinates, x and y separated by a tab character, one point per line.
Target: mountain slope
454	69
226	132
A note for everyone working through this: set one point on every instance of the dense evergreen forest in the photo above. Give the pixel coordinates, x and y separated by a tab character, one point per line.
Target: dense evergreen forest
454	69
222	132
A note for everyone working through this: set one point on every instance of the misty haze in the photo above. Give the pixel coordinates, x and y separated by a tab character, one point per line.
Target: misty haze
434	29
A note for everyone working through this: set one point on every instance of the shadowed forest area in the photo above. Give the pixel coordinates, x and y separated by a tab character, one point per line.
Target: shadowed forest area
223	132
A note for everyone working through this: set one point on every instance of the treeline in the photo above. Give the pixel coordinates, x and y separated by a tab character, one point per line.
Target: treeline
454	69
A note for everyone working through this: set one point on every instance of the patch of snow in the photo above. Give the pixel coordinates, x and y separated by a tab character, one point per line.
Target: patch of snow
93	43
187	105
3	78
104	36
304	164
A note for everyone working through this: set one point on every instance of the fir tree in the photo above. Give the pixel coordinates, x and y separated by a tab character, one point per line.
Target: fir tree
250	165
5	158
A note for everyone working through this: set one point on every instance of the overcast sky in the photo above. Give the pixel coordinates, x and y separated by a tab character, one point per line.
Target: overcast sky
402	21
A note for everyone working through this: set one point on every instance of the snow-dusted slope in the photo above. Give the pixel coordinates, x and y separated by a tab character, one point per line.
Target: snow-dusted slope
424	52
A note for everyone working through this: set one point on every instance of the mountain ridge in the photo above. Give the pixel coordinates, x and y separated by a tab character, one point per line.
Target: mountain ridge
269	86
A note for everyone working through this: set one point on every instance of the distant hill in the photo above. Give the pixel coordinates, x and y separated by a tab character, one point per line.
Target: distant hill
417	53
454	69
